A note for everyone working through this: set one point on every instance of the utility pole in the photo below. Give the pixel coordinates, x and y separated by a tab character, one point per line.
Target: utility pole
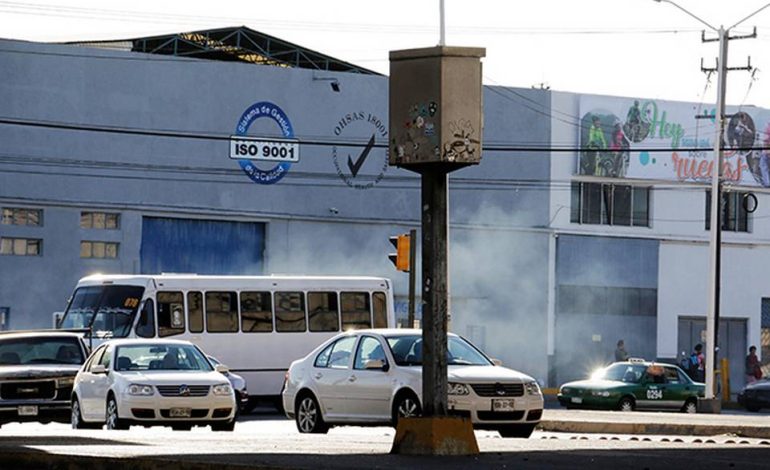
710	404
715	243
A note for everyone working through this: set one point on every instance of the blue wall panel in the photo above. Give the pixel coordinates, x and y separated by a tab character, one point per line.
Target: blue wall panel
201	246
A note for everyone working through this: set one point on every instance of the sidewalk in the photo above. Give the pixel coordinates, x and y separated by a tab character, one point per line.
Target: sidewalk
754	425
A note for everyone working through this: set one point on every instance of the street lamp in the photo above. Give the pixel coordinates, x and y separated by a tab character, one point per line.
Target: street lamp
712	314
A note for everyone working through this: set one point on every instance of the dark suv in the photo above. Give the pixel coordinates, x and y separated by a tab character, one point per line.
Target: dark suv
37	370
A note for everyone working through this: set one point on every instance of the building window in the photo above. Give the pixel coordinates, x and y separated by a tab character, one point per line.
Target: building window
100	220
18	216
21	246
610	204
91	249
735	217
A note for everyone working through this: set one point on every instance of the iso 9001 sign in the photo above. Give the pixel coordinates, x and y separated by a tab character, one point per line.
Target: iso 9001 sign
264	149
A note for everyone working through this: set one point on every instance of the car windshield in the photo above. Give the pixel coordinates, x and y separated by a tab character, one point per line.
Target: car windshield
621	372
407	351
161	357
107	310
28	351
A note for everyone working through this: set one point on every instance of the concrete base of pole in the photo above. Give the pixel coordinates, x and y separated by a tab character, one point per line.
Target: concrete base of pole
709	405
435	436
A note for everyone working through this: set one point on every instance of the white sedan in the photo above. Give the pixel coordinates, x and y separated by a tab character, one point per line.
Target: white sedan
375	376
151	382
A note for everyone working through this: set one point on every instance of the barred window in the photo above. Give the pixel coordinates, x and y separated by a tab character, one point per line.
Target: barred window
21	246
20	216
94	249
735	217
610	204
100	220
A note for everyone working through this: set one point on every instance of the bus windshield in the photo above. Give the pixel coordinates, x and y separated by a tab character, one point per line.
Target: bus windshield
107	310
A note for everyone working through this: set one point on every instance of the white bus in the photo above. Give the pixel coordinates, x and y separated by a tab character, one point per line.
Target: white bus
256	325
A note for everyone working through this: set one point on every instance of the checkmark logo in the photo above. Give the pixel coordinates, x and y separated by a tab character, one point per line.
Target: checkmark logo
354	167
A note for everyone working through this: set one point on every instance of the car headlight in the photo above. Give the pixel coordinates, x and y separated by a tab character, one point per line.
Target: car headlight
457	389
532	388
566	391
139	389
65	382
222	389
602	393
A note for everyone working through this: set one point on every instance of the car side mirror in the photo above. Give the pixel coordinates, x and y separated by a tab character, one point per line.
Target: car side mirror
376	364
98	369
221	368
497	362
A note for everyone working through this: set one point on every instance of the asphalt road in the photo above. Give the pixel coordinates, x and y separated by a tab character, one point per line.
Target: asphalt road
270	441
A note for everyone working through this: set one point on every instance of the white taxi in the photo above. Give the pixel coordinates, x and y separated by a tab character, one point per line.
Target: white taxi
152	382
375	376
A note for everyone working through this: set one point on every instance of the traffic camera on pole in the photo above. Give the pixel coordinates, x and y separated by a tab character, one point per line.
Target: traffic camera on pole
400	258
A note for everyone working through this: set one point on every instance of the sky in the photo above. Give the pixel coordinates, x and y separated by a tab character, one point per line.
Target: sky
633	48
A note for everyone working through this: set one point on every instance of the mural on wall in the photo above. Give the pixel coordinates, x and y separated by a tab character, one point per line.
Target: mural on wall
360	167
660	140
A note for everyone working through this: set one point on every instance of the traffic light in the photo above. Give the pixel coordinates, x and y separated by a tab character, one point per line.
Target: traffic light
401	257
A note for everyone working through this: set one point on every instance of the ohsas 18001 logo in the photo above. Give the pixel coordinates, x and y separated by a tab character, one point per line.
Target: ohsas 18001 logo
279	151
361	168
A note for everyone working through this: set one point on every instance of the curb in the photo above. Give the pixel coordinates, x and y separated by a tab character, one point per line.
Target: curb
596	427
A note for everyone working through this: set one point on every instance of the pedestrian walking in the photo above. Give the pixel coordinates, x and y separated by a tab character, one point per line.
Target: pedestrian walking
620	352
753	369
697	369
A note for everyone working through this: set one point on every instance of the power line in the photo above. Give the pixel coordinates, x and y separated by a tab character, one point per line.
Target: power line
325	142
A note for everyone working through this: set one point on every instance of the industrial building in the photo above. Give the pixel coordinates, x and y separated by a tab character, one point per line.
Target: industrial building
585	223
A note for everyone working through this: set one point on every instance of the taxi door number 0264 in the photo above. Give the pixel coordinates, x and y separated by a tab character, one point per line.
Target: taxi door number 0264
654	394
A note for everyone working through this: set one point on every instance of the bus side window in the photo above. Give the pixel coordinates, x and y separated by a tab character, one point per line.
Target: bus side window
322	311
355	310
289	312
380	306
256	312
195	311
145	327
170	313
221	312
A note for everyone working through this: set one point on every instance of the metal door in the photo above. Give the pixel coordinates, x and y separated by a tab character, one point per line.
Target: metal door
732	344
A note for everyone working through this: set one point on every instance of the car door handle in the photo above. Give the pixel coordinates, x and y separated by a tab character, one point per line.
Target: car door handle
352	378
318	375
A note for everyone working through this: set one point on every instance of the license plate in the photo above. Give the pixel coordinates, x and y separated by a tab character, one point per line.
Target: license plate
180	412
576	400
505	404
27	410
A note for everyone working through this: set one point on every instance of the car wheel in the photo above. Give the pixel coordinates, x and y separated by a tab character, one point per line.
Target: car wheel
626	404
226	426
76	418
114	422
752	408
406	406
690	406
308	416
517	430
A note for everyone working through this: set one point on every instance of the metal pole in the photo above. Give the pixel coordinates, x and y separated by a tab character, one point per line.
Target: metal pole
435	290
442	38
712	316
412	275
